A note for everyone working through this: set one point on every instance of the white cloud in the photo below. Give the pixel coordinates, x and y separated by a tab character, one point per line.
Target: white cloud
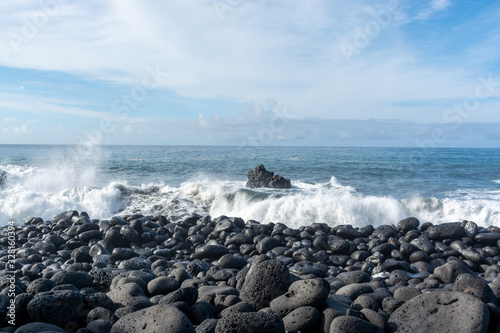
5	130
281	49
31	121
434	6
128	130
8	120
21	130
439	5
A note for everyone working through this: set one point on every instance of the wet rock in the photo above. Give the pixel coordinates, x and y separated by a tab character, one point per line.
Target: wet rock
407	224
156	318
231	261
442	311
487	239
260	177
267	244
211	251
446	231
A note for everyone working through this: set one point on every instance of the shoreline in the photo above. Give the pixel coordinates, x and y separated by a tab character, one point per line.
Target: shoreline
225	274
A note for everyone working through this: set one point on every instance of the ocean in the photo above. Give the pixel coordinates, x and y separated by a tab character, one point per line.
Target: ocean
332	185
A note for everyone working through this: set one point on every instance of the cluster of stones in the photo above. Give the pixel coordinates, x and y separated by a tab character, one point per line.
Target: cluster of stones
145	274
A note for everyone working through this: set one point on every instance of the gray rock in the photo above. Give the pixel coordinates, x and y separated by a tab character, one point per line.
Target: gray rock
406	293
211	251
237	308
231	261
129	294
260	177
40	285
451	270
301	319
37	327
201	311
311	292
365	302
123	253
407	224
267	244
207	326
186	294
446	231
354	277
162	285
156	318
78	279
99	326
56	307
487	239
264	282
441	311
91	234
471	229
351	324
255	322
391	304
475	286
354	290
130	234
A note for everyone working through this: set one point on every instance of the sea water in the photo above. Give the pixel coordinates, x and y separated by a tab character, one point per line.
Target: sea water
332	185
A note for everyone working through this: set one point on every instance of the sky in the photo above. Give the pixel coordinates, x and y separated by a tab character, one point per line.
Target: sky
251	72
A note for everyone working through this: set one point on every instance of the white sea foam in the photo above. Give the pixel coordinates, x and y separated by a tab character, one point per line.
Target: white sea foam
33	191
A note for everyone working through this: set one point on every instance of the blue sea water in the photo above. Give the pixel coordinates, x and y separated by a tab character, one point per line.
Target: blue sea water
330	185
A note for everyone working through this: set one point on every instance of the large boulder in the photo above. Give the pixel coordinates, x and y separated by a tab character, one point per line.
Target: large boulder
441	311
157	318
260	177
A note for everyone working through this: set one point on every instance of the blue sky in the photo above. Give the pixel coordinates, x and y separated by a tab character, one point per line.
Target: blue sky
241	72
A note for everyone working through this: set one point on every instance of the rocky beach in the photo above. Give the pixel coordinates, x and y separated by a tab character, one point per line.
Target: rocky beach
136	273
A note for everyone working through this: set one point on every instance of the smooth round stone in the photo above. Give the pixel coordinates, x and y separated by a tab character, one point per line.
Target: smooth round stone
156	318
351	324
407	224
81	254
188	295
354	277
162	285
267	244
201	311
78	279
446	231
451	270
347	233
91	234
130	234
384	232
239	307
391	304
123	253
250	322
37	327
207	326
354	290
441	311
487	239
231	261
301	319
211	251
365	302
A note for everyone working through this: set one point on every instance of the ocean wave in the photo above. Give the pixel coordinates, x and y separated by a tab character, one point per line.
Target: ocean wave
33	191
